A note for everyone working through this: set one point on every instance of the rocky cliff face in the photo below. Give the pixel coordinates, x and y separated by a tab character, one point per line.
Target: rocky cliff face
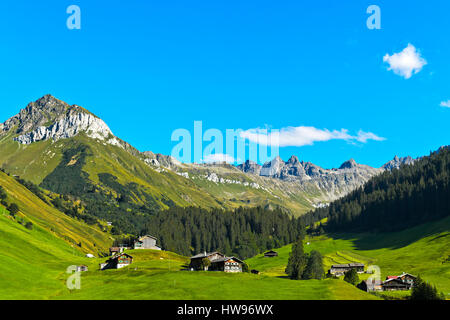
50	118
397	162
250	167
334	182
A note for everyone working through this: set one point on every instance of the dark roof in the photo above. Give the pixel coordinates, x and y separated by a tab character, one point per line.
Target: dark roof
406	274
271	252
227	258
206	254
397	280
347	265
122	254
147	236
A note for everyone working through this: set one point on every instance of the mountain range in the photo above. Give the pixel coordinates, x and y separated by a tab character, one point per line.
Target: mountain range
68	150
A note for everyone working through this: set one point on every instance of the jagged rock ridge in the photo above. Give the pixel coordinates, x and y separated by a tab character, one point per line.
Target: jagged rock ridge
50	118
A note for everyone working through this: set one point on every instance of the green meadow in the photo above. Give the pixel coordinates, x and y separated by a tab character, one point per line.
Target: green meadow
423	250
160	275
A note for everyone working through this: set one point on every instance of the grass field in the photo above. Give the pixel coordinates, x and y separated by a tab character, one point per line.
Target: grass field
159	275
421	250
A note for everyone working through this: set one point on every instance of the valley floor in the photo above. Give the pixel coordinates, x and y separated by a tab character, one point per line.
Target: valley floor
422	250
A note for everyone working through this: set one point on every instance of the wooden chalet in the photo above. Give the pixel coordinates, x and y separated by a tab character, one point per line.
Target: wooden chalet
219	262
408	278
405	281
395	284
146	242
118	261
196	261
271	254
226	264
341	269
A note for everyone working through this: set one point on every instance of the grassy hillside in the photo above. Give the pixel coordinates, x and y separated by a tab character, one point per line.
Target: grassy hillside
31	260
53	221
423	250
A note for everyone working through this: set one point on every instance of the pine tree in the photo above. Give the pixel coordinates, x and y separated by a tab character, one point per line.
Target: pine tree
297	261
314	268
424	291
351	276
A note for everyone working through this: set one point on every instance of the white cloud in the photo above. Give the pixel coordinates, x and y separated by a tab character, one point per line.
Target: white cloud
302	136
445	104
405	63
219	157
364	136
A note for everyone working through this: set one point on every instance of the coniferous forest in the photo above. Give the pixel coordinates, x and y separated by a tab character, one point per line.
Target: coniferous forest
395	200
243	232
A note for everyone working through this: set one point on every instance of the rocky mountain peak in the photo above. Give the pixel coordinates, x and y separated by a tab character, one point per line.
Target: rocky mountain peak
250	167
50	118
348	164
293	160
398	162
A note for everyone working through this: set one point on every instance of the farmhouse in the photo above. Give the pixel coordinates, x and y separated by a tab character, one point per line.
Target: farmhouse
271	254
407	278
341	269
197	260
119	261
405	281
226	264
146	242
395	284
218	262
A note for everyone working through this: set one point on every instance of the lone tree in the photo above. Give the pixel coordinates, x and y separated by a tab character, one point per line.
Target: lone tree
425	291
206	263
314	268
297	261
351	276
13	209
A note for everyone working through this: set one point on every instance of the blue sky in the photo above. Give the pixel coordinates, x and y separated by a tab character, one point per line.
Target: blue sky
150	67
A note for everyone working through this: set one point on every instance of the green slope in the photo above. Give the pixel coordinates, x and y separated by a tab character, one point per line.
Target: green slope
423	250
53	221
32	260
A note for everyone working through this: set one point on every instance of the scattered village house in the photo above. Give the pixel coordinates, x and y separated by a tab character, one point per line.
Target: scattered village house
405	281
271	254
146	242
118	261
395	284
218	262
341	269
